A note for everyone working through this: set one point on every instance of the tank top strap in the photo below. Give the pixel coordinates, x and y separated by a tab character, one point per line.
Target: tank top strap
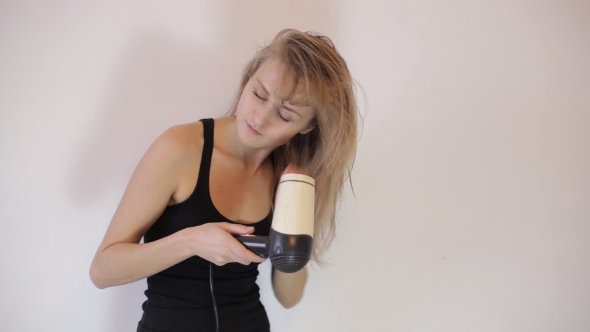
203	180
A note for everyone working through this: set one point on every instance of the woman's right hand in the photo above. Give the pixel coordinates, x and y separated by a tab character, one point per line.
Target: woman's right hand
216	243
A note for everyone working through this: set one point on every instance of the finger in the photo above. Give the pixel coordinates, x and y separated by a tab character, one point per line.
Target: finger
241	255
253	258
237	228
241	260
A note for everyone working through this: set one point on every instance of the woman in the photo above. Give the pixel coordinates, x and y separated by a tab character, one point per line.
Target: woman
202	183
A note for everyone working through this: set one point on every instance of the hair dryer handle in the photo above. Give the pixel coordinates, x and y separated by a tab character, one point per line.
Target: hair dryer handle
257	244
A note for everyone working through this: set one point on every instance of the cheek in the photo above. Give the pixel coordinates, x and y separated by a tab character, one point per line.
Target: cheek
283	137
242	102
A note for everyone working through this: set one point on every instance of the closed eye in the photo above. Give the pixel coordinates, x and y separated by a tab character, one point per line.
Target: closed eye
282	117
257	95
278	112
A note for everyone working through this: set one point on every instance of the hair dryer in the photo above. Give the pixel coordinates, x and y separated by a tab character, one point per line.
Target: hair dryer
290	241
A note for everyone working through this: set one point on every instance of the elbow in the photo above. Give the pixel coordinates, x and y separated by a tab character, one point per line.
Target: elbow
290	302
289	298
96	277
289	287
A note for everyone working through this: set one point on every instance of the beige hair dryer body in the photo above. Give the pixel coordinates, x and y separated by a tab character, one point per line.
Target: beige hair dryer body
290	241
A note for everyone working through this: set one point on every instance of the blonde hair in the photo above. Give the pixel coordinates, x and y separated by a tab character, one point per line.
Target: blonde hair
312	62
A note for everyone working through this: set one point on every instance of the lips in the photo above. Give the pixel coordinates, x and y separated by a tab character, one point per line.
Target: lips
252	130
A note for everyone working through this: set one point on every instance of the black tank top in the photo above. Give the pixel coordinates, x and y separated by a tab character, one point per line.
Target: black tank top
179	298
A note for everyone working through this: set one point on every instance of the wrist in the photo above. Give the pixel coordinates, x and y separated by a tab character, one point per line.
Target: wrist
185	238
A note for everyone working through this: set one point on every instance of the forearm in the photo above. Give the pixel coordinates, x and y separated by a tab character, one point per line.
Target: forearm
288	287
123	263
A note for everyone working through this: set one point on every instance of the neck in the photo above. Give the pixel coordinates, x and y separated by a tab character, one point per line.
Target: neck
251	158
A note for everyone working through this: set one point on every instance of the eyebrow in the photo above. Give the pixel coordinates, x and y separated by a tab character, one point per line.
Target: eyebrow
282	104
289	109
262	85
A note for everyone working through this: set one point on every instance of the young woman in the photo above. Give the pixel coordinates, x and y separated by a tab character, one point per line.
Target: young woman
202	183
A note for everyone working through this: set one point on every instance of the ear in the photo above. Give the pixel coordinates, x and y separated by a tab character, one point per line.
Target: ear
307	129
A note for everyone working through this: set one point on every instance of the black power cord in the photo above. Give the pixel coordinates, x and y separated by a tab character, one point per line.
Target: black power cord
213	297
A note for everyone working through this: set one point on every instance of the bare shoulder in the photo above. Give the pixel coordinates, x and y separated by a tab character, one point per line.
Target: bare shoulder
181	139
182	145
159	178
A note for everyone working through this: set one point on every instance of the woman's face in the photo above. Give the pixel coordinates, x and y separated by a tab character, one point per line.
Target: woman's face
263	121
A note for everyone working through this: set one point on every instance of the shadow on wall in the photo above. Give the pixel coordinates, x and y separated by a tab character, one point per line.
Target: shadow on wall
158	83
161	81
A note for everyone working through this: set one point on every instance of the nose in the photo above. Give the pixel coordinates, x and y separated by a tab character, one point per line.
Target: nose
262	114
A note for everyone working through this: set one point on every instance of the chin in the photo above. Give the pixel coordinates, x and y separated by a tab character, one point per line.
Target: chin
246	137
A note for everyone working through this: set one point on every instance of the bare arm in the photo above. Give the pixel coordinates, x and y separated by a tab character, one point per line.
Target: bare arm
120	259
288	287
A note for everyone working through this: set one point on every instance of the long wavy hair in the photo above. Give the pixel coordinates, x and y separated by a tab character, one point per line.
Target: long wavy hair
314	66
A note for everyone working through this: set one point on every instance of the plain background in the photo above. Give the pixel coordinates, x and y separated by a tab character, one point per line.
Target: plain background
472	183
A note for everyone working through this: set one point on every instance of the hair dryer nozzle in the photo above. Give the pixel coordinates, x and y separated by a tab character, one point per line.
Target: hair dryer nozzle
289	253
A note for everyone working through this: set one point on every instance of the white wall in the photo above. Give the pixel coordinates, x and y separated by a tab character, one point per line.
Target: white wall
472	184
